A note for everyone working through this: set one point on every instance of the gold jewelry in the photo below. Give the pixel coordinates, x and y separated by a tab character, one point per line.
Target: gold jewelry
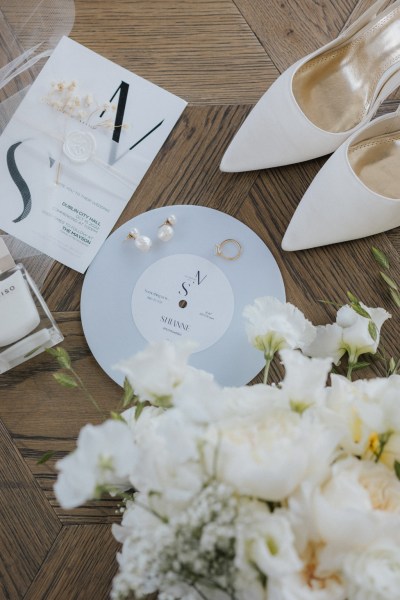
219	249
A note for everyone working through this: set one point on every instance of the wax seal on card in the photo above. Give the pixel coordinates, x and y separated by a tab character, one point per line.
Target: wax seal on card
79	146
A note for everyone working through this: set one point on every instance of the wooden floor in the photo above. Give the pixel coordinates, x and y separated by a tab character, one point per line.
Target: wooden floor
220	55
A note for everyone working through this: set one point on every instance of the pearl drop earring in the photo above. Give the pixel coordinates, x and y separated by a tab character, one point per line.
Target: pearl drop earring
142	242
166	230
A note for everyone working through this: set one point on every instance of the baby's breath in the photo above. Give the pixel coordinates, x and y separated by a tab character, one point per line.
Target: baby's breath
194	551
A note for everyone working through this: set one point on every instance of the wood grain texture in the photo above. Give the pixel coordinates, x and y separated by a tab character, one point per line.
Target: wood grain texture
28	525
289	30
221	55
80	566
201	50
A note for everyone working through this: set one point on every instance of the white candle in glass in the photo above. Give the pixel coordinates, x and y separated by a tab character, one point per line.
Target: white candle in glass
18	313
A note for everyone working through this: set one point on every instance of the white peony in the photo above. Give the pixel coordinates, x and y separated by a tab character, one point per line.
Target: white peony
103	458
272	325
307	585
374	573
157	371
268	457
360	502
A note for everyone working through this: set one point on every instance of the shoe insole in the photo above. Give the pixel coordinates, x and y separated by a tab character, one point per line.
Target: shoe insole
376	162
335	89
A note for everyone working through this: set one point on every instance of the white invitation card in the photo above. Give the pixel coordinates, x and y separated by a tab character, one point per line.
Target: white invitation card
183	296
75	151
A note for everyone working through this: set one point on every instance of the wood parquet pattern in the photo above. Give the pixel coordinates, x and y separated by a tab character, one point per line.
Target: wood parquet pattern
220	55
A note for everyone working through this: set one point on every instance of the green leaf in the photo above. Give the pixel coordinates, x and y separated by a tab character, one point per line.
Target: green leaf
372	330
45	457
395	297
61	356
361	365
361	311
389	281
336	304
65	380
163	401
139	409
380	257
397	468
392	366
353	299
117	416
52	352
129	394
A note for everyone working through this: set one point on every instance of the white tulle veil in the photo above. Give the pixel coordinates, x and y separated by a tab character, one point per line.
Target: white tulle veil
29	32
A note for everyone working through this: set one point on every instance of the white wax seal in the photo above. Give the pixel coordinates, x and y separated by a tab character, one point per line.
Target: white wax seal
79	146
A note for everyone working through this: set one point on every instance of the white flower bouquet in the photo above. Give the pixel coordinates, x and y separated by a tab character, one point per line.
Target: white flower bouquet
288	491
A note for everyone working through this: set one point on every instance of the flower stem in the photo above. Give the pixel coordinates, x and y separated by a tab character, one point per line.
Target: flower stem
85	390
350	368
268	360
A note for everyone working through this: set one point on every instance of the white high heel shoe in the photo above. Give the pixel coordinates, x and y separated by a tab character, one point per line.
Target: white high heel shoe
314	106
356	193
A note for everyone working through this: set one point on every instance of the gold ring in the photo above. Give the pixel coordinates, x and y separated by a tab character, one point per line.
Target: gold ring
219	249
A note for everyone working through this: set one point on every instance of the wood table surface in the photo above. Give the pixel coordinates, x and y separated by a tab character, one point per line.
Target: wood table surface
220	55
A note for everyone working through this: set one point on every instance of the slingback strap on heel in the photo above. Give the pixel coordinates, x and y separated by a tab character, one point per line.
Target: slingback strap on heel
356	193
321	100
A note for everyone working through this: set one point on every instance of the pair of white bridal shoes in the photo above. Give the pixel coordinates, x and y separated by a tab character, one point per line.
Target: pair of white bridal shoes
314	106
325	102
356	193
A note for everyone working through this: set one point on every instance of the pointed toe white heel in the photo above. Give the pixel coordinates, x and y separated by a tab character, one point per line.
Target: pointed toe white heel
314	106
356	193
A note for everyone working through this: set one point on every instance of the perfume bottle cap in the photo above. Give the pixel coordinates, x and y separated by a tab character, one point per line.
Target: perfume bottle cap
6	260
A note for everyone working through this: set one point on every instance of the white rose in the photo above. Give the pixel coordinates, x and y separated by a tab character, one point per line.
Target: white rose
374	573
155	373
104	457
272	325
268	457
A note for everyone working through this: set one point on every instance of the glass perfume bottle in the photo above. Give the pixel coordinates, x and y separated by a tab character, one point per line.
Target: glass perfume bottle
27	326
